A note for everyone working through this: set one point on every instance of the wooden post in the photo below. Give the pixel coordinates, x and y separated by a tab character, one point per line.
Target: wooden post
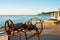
25	36
37	35
19	36
8	37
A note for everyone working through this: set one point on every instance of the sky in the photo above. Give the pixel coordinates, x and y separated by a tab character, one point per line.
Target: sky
27	7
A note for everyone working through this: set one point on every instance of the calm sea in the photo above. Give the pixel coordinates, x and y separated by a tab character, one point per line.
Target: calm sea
21	18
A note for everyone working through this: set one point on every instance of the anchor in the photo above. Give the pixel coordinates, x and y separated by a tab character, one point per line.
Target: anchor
31	24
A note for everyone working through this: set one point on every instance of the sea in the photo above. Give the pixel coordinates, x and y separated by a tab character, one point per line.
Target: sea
21	18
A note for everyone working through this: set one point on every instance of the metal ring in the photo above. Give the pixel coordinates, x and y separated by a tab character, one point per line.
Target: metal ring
34	19
10	25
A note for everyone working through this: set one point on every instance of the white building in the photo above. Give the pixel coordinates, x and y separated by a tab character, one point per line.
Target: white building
55	14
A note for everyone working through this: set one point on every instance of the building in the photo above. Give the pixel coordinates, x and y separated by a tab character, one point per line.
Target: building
54	14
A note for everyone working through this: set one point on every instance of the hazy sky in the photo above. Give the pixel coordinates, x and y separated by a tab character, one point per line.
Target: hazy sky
27	7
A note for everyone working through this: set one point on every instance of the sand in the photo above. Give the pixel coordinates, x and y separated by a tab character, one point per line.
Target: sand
47	34
5	37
